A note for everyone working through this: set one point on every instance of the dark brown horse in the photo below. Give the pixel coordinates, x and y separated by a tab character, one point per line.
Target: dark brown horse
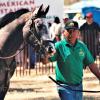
13	31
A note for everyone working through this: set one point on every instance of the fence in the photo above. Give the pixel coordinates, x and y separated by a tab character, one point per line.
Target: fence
25	67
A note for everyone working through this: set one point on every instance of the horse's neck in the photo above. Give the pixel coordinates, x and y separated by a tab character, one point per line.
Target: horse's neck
10	27
12	36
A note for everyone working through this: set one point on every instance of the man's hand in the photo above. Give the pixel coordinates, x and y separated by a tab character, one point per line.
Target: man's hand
45	59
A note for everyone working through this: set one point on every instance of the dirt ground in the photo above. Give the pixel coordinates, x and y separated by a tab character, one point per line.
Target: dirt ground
40	87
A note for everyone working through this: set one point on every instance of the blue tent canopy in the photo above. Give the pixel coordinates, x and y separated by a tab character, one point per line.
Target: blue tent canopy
95	11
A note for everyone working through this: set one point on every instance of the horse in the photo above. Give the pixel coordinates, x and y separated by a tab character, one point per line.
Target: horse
15	28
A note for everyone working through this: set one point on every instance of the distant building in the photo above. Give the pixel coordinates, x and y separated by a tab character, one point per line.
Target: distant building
67	2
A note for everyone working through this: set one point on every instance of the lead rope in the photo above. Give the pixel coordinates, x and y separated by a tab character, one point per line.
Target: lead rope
71	88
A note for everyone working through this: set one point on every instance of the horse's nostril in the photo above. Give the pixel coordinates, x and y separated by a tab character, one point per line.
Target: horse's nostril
40	26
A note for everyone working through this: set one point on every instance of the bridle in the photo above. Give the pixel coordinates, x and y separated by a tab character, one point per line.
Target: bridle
32	31
34	35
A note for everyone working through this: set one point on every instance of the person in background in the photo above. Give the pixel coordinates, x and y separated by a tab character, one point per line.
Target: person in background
55	30
50	29
65	18
90	32
71	56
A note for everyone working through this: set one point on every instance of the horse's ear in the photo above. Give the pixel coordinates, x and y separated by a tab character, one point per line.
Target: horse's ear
46	10
40	10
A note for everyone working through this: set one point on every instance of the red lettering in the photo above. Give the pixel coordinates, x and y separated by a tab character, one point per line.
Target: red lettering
7	4
21	3
1	11
25	3
11	10
17	3
10	6
13	4
6	10
31	2
2	4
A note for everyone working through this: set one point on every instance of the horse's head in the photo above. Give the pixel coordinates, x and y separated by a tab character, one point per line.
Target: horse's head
38	28
24	25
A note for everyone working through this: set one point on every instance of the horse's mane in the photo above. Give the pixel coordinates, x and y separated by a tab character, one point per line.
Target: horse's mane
12	16
19	12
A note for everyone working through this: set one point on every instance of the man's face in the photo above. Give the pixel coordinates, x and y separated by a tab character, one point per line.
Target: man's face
89	20
71	35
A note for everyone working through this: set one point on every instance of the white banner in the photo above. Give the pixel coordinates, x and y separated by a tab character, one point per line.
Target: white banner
56	6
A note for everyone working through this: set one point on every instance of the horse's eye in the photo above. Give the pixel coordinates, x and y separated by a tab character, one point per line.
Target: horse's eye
40	26
38	21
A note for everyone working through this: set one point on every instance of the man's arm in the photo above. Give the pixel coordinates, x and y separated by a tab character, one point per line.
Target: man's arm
95	70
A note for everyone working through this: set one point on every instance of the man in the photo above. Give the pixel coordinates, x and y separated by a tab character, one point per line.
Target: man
90	34
71	56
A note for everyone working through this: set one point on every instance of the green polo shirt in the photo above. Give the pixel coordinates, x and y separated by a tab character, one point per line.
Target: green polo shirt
70	61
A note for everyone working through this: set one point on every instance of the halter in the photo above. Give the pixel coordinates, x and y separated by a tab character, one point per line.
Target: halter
37	41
